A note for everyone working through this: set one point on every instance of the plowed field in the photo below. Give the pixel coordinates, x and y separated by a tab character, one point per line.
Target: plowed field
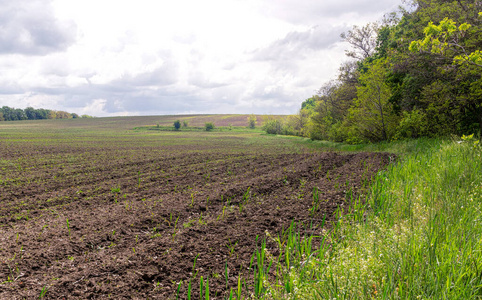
91	213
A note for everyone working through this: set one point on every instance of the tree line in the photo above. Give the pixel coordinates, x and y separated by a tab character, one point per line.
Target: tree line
416	73
30	113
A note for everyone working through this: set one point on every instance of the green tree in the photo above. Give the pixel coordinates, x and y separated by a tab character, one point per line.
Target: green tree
31	113
20	114
209	126
300	122
42	113
309	103
372	113
177	125
461	44
273	126
449	39
252	121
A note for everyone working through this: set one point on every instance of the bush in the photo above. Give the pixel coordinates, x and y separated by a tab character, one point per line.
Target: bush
412	125
185	123
177	124
273	126
209	126
252	121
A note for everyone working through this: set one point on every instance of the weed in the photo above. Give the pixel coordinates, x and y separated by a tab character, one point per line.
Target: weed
192	200
188	223
245	200
231	247
43	292
315	203
68	225
116	192
201	220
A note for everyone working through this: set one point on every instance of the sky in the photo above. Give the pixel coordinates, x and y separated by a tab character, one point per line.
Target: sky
158	57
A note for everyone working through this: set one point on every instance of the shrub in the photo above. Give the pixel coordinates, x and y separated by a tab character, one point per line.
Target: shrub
412	125
252	121
185	123
177	124
273	126
209	126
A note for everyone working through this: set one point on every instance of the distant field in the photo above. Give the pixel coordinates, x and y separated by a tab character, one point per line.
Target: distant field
90	208
129	123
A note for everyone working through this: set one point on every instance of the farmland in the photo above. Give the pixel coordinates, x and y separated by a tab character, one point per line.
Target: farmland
92	208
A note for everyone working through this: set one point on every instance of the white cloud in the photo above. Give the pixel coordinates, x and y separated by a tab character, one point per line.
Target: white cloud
29	27
149	57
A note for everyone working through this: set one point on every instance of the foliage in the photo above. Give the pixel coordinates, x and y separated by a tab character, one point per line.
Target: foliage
209	126
412	125
177	124
30	113
446	36
362	39
309	103
252	121
273	126
416	73
372	114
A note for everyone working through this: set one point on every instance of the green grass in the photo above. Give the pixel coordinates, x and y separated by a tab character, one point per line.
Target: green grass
399	147
418	235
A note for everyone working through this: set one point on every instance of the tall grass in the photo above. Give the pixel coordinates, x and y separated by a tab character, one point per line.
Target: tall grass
420	236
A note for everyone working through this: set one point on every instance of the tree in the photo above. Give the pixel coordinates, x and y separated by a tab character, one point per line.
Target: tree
362	39
310	103
20	114
209	126
273	126
31	113
252	121
42	113
462	45
177	125
447	38
302	119
52	114
63	115
372	114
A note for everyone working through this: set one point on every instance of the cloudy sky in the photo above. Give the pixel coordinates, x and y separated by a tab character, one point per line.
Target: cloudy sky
151	57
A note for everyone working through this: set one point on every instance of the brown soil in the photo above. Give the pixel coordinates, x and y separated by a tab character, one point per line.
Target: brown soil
124	227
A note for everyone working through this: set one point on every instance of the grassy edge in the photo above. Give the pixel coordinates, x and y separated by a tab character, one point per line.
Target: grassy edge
420	235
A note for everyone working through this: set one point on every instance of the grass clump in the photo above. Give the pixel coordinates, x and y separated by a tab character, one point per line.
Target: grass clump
420	238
